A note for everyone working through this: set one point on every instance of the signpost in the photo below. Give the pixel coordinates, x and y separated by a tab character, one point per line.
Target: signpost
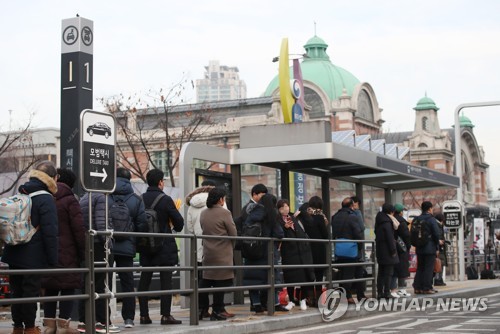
97	151
453	213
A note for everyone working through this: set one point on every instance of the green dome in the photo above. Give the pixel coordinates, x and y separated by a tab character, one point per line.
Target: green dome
426	103
465	122
317	68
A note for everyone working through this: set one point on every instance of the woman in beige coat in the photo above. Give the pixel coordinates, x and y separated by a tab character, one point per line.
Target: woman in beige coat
216	221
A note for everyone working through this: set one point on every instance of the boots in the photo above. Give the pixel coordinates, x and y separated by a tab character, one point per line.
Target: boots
32	330
49	326
63	327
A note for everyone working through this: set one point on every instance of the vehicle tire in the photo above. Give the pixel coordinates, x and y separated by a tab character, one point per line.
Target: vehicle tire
91	132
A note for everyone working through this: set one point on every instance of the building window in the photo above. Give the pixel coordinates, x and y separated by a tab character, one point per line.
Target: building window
422	145
425	124
423	163
162	159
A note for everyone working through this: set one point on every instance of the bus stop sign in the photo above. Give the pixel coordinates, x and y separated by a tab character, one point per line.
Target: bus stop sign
453	212
97	151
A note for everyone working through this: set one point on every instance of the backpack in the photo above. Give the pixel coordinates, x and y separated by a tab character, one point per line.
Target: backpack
419	233
471	272
120	216
252	249
151	244
15	218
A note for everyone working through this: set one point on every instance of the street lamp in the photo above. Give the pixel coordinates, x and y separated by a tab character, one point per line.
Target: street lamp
458	166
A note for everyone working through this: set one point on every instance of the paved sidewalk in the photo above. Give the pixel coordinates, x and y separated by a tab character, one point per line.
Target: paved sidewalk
247	322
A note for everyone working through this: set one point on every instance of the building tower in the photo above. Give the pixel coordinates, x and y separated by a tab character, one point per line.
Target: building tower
221	82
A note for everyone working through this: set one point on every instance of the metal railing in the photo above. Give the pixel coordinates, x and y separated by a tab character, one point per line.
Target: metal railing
272	267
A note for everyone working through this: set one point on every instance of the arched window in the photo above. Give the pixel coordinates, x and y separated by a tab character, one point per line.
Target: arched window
425	124
422	145
314	100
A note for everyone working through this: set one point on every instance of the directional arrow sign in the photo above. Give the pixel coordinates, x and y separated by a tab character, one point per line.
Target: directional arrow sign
98	160
103	174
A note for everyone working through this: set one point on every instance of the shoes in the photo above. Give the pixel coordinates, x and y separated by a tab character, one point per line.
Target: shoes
360	298
403	293
145	320
100	328
31	330
439	283
303	305
350	301
258	309
290	305
280	308
217	316
418	292
227	314
435	291
18	330
81	327
395	295
204	314
129	323
428	292
169	320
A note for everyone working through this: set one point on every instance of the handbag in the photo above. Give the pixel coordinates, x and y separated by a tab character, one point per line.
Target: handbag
437	265
400	245
347	250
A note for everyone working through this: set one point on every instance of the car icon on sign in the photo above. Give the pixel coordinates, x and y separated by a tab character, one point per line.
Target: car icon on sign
99	128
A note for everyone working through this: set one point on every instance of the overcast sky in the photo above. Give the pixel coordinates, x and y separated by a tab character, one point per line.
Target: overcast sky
449	49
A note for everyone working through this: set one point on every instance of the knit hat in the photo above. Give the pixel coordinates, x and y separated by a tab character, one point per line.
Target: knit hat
399	207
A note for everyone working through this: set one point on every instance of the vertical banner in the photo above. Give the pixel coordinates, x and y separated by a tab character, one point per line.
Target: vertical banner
297	190
479	235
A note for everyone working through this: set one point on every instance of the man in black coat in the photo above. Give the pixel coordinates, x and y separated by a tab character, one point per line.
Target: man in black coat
426	254
256	194
345	226
169	218
40	252
124	249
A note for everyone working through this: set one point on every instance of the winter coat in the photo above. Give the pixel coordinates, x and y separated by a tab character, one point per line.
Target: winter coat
197	201
71	240
256	213
293	253
432	227
384	239
217	252
402	269
345	225
124	191
98	215
41	251
316	228
167	214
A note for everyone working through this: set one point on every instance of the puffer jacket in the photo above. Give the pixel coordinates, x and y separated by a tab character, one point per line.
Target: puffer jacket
41	250
197	202
71	240
124	191
98	214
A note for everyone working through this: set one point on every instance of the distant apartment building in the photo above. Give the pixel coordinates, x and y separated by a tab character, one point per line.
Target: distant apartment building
221	82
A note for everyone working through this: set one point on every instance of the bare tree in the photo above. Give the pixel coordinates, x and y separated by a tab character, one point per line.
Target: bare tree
17	156
157	122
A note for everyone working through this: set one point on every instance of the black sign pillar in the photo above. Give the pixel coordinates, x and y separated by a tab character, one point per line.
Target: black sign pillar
77	40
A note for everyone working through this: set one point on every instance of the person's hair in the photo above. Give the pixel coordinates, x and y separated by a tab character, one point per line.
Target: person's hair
347	202
281	203
259	189
47	167
123	172
214	195
355	199
208	183
269	202
316	202
66	176
426	206
439	217
387	208
154	176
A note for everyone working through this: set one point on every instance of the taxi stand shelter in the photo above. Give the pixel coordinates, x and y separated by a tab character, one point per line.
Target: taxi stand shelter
307	148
